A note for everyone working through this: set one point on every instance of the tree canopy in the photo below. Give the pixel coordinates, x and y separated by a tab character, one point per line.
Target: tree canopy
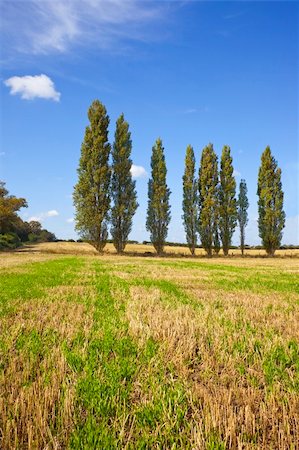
158	211
92	191
123	191
190	200
271	219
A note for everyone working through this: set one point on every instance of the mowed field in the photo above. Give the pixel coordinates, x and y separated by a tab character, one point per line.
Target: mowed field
123	352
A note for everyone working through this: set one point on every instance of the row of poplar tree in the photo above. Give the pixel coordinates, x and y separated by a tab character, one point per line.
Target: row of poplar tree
106	193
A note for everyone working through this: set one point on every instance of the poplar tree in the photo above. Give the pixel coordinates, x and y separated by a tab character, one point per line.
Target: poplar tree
190	200
123	190
227	200
208	201
271	219
91	193
158	210
242	212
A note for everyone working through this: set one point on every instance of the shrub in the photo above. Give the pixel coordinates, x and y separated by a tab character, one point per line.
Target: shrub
9	241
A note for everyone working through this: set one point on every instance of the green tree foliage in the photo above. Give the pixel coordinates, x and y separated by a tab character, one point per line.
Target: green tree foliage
35	232
227	200
123	190
158	211
13	230
190	200
9	207
35	227
270	203
243	205
91	193
208	199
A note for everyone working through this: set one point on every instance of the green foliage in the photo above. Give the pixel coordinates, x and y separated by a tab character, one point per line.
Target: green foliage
9	241
227	200
190	200
158	211
123	190
208	199
9	206
270	204
91	193
13	230
243	205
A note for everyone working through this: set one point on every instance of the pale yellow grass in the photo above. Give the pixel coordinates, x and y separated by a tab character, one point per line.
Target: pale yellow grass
11	259
83	248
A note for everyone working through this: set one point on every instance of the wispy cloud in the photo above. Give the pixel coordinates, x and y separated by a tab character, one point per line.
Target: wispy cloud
234	15
30	87
236	173
55	26
70	220
190	111
138	171
44	215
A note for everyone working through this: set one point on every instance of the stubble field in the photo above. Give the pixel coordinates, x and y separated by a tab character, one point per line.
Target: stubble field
108	352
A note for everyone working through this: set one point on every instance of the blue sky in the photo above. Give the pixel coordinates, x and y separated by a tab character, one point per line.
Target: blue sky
189	72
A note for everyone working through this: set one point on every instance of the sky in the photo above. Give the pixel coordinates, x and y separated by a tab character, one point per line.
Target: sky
189	72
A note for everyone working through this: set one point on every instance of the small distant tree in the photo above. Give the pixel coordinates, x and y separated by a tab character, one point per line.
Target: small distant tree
91	193
9	207
208	199
123	190
35	227
158	211
270	203
190	200
227	200
243	205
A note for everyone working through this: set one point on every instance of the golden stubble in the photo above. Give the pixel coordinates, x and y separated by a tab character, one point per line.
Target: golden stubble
82	248
201	346
38	387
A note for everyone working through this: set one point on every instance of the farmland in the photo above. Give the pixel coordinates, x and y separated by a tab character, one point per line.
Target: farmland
140	352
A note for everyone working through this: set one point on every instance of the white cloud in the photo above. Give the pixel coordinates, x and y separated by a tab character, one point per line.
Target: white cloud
30	87
138	171
70	220
44	215
236	173
47	26
52	213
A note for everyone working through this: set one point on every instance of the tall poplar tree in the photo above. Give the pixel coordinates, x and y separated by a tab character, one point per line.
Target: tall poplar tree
123	190
242	212
270	203
227	200
91	193
158	210
190	200
208	199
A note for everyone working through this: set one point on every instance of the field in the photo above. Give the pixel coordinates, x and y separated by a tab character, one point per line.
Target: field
108	352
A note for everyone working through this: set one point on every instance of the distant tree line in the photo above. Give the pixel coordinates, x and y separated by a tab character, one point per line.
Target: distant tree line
106	193
13	230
